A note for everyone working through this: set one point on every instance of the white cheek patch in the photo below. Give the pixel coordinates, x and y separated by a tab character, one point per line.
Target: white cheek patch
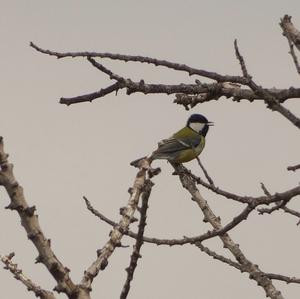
197	126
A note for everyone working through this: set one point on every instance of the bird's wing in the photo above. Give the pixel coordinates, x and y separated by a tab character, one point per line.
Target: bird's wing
182	140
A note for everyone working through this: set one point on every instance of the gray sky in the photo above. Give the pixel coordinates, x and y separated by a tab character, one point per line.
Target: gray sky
62	153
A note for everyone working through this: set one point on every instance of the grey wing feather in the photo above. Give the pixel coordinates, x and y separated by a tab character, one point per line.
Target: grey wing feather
169	148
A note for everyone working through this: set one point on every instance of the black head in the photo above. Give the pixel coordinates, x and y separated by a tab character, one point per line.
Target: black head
199	123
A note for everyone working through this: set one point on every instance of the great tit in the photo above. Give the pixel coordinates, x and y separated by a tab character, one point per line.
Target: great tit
185	145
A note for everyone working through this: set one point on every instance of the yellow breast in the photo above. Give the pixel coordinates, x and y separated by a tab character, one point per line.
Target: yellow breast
190	154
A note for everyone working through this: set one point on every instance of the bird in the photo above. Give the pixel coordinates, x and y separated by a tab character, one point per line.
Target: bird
184	145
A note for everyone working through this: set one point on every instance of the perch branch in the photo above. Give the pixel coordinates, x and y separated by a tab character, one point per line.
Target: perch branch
253	270
119	230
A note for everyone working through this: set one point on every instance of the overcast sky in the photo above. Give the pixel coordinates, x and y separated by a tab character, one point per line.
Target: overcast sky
62	153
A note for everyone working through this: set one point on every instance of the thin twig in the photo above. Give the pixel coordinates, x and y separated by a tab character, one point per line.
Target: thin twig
278	206
293	54
266	191
241	60
92	96
105	70
19	275
260	200
142	59
293	168
240	268
271	101
208	177
283	278
219	257
186	240
292	212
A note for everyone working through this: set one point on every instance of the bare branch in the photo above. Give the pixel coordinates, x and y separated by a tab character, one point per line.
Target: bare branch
239	267
186	240
253	270
271	101
126	58
119	230
219	257
293	168
229	90
139	240
266	191
208	177
278	206
91	96
294	56
241	60
19	275
29	221
292	212
105	70
283	278
290	31
256	201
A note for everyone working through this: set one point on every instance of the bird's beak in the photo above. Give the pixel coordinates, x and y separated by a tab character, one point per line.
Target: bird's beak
210	123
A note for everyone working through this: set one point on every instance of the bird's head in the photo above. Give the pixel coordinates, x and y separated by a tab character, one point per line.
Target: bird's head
199	123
